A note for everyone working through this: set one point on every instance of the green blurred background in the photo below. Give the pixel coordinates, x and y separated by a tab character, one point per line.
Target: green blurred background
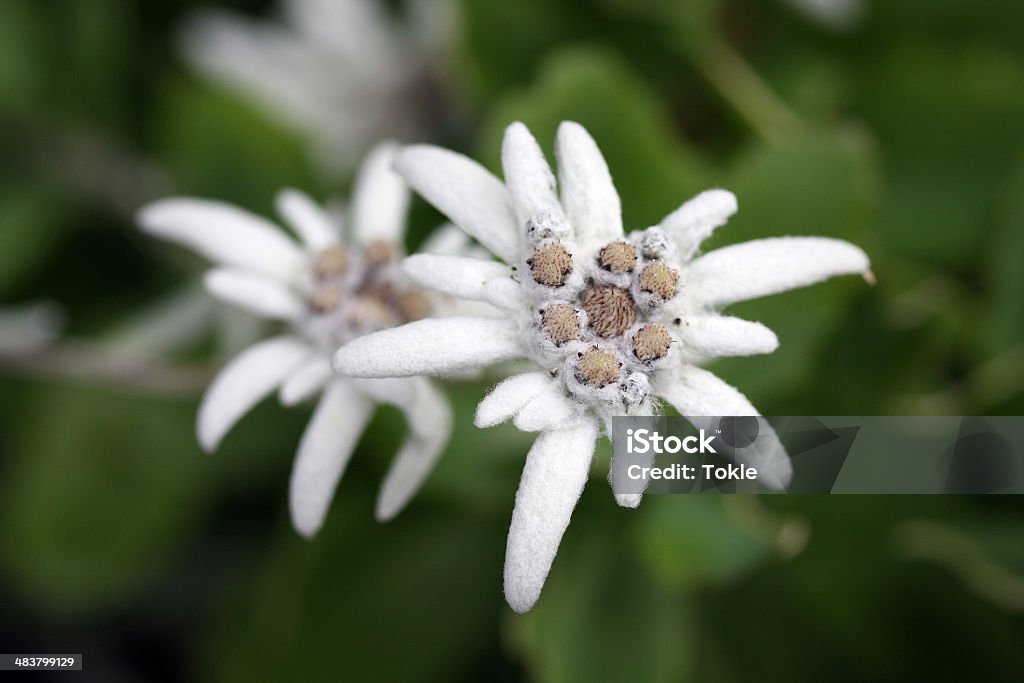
902	132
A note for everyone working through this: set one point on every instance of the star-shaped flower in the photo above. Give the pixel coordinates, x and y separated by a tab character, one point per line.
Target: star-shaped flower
612	321
326	292
341	72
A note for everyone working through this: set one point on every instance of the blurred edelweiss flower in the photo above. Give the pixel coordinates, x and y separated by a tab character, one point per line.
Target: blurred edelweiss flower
327	292
340	72
613	321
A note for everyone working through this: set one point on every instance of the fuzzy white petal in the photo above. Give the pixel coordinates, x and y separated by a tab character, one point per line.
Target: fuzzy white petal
307	379
588	194
256	293
714	336
324	452
527	175
315	227
223	233
552	409
694	221
696	392
430	425
430	347
509	397
615	474
380	199
504	292
698	395
447	240
466	192
553	478
459	276
769	266
243	382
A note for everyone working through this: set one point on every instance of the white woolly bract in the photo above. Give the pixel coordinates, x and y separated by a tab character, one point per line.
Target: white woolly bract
699	395
326	447
528	177
694	221
458	276
259	294
430	347
314	226
553	477
509	397
466	192
247	379
380	199
223	233
590	199
769	266
306	380
430	425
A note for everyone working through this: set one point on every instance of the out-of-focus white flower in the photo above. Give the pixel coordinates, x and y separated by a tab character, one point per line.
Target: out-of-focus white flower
29	327
340	72
612	321
327	291
838	15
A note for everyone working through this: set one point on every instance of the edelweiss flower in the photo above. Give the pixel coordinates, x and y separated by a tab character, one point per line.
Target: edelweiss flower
340	72
612	321
327	293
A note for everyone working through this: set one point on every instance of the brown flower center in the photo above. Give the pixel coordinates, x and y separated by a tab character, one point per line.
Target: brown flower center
378	253
561	323
651	342
550	264
660	280
413	305
618	257
598	367
326	297
611	310
331	262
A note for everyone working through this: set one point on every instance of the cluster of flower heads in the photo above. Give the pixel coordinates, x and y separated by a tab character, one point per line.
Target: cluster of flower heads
326	291
614	323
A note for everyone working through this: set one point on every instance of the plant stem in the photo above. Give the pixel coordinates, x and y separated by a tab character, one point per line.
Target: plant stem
748	94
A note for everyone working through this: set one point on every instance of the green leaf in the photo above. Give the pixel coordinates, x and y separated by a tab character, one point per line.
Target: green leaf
31	229
951	123
692	22
101	490
689	541
1006	273
22	55
412	600
100	49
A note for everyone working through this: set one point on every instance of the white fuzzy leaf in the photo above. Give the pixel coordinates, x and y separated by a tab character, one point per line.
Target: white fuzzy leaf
553	478
430	347
467	193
